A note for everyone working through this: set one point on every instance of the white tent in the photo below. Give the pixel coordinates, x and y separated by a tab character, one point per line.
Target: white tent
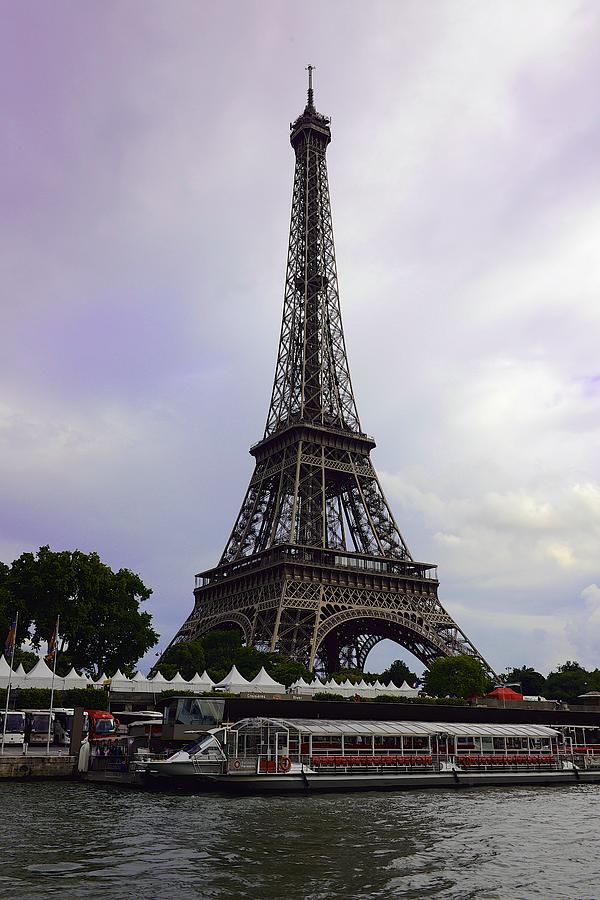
100	681
407	691
200	684
263	683
73	680
120	682
140	684
18	679
233	683
302	688
178	681
345	687
41	676
5	671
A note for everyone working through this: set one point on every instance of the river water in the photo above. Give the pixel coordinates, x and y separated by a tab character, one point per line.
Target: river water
87	841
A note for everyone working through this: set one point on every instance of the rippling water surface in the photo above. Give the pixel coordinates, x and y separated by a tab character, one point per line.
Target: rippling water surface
86	841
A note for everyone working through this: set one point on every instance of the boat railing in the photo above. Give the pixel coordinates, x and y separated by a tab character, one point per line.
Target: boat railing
328	760
123	762
370	760
243	764
585	760
507	760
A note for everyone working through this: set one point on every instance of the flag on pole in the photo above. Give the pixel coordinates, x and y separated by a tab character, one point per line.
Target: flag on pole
11	638
52	645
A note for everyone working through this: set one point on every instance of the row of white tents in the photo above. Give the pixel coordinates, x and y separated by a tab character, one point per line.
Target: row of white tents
234	683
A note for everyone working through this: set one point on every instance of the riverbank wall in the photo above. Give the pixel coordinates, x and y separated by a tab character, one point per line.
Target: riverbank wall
21	768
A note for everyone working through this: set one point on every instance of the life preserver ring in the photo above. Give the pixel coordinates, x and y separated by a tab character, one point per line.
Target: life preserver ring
237	764
25	771
285	764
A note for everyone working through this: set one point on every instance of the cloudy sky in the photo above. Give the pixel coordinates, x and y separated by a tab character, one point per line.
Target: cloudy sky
145	184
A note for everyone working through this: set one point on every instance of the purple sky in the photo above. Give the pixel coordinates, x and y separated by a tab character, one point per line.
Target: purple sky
145	179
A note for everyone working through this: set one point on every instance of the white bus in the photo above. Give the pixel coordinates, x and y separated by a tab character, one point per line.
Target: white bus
15	728
37	726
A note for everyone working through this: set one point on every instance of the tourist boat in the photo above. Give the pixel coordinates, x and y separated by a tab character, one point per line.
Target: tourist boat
267	754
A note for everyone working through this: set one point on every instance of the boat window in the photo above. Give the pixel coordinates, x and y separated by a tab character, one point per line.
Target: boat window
196	745
203	745
196	711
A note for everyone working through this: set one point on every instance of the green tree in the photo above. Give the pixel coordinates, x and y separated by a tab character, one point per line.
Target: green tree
101	625
220	649
286	671
25	658
568	682
398	672
532	683
10	605
223	649
186	658
352	675
456	676
249	661
5	598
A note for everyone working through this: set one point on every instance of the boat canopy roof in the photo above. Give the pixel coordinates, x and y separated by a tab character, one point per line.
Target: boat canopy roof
335	727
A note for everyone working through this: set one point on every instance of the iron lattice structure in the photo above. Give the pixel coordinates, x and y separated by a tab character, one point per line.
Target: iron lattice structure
316	567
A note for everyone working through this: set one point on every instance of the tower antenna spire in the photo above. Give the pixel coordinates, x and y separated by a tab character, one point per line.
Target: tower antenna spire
310	69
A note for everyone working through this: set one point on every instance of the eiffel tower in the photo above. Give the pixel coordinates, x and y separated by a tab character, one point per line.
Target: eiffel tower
315	566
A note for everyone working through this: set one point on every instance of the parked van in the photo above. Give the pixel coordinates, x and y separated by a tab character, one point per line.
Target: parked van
102	724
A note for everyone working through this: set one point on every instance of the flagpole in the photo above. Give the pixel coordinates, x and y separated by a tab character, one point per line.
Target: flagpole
12	660
53	677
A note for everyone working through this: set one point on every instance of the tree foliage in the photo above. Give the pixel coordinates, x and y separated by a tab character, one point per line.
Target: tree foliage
186	657
101	625
398	672
218	651
25	658
456	676
533	683
568	682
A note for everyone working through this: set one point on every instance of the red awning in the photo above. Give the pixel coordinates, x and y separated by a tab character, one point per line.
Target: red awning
505	693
